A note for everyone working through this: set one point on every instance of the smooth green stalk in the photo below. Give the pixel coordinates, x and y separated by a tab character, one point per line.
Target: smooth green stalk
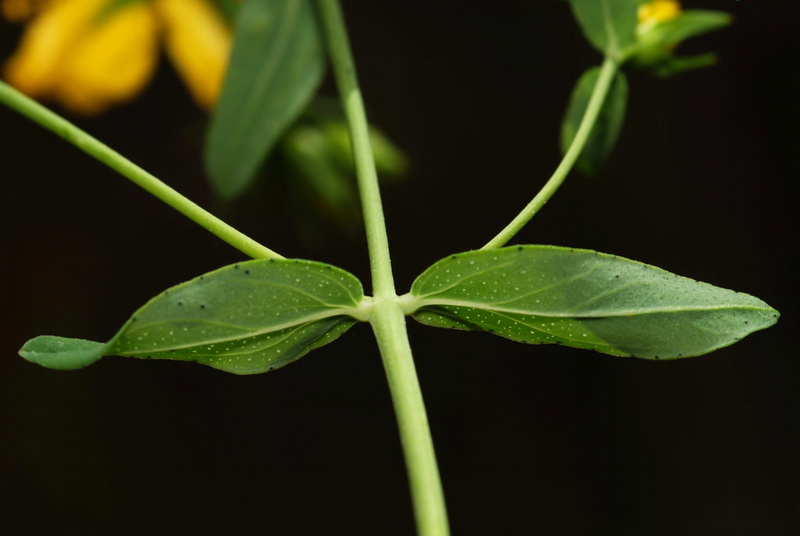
389	325
371	204
97	149
599	93
386	317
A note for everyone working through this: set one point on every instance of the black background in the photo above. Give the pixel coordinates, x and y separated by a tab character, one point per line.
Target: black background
531	440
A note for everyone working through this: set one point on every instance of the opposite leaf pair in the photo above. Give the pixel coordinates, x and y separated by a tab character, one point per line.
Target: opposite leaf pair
259	315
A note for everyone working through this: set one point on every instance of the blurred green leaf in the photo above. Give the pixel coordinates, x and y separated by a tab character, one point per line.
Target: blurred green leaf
690	24
678	64
390	161
310	153
245	318
318	152
609	25
228	9
276	65
584	299
606	129
656	43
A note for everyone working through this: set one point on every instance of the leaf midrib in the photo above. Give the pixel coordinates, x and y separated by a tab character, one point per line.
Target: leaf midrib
423	302
247	334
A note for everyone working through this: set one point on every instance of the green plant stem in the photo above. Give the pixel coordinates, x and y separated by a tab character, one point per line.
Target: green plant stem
389	325
353	104
386	317
598	97
97	149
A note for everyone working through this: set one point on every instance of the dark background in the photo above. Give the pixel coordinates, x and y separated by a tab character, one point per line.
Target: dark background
531	440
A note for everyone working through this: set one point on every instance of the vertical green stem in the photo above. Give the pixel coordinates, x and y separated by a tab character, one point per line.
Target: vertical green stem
105	154
389	326
607	73
353	104
387	318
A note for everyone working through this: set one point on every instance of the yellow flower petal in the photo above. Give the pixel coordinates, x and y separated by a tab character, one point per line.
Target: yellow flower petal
112	62
86	61
32	68
198	42
658	11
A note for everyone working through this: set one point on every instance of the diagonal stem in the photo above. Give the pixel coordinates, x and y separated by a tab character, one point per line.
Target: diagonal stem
599	93
108	156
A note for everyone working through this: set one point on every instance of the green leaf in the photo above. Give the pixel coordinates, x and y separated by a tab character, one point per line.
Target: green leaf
679	64
390	161
609	25
656	43
245	318
62	353
321	158
276	65
690	24
228	9
309	151
606	129
584	299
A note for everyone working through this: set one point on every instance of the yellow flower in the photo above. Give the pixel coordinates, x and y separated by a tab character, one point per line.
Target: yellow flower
92	54
657	11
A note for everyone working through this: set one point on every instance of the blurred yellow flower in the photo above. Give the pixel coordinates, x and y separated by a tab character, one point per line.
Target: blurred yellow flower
92	54
657	11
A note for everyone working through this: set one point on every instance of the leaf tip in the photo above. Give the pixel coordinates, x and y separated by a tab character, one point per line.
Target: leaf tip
61	353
